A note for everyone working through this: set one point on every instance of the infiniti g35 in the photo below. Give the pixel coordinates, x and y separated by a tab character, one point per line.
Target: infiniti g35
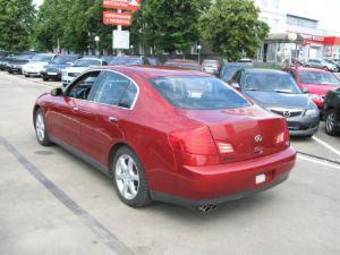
177	136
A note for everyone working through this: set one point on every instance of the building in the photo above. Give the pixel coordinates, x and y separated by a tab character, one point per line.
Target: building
310	41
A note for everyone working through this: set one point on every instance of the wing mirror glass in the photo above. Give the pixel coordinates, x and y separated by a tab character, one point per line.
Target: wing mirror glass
57	92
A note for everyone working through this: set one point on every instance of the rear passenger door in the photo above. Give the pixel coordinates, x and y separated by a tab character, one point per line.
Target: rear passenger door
112	101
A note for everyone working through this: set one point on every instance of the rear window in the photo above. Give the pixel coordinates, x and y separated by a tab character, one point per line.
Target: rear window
199	93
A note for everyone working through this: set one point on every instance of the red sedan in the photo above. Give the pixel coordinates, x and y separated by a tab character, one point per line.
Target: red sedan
178	136
317	82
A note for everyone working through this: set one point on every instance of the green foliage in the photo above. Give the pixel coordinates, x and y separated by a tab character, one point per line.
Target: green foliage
74	23
232	28
172	25
16	20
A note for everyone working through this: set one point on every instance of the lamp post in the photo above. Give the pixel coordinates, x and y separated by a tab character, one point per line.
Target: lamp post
131	49
199	48
97	40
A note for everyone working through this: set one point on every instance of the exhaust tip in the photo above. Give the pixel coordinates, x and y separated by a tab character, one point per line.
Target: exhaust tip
205	209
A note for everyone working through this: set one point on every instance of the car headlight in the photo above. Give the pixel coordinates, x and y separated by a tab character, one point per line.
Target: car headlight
313	113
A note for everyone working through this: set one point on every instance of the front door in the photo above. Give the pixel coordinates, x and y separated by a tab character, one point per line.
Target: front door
103	118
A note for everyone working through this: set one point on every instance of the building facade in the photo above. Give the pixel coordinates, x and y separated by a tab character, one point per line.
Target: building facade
283	22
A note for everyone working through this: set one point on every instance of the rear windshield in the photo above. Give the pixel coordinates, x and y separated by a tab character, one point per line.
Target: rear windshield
322	78
198	93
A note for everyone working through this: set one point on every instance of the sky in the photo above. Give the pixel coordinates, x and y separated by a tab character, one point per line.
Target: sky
326	11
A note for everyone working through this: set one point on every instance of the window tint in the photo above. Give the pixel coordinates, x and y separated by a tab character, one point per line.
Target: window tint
114	89
198	93
82	87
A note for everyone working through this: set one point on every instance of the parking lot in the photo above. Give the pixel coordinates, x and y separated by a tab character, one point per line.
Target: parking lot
53	203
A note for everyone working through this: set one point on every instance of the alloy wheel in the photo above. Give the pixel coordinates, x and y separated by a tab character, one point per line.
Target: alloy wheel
127	177
40	127
330	122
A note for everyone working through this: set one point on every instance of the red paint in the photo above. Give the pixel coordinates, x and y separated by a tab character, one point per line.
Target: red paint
178	148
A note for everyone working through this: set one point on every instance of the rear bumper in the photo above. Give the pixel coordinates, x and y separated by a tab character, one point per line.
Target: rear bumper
218	184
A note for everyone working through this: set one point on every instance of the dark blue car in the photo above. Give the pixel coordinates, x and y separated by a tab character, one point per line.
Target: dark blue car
53	70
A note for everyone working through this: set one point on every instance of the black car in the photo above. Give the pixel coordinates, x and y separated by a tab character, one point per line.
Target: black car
15	63
332	112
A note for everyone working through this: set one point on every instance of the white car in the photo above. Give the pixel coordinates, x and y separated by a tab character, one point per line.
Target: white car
36	65
80	66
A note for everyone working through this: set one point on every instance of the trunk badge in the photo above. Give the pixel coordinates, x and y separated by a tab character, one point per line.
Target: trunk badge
258	138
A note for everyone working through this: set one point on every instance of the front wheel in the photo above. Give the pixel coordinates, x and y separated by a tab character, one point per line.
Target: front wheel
330	123
40	128
129	179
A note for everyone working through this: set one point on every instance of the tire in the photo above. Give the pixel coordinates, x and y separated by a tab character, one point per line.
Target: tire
330	123
27	76
129	179
45	78
40	128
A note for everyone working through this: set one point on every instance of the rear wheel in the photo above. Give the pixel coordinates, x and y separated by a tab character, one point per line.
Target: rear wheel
330	123
45	78
129	178
40	128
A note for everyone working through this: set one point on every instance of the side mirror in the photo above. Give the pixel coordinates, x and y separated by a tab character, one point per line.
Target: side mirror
57	92
235	85
305	90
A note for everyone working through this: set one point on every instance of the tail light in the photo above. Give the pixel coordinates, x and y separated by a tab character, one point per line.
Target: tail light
195	147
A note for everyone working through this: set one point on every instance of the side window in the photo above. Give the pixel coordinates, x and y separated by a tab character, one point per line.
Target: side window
237	77
82	87
115	89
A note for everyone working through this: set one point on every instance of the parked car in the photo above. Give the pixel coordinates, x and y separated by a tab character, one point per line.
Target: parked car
4	62
37	64
202	144
277	92
321	64
229	70
183	64
335	63
316	82
212	66
129	60
17	61
332	112
53	70
80	65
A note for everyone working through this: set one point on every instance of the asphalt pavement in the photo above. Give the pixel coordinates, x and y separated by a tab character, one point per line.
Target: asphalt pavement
53	203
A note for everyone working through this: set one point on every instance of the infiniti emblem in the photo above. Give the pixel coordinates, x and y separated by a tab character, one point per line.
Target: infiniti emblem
258	138
286	114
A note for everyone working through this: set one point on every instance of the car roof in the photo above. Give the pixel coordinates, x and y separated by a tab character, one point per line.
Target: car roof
150	72
264	71
309	69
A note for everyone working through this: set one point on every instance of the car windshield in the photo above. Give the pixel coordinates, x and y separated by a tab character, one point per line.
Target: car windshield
87	62
229	71
126	61
42	58
323	78
64	59
23	57
198	93
271	82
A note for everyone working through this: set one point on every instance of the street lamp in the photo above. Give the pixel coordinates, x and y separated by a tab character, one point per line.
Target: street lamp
97	40
199	48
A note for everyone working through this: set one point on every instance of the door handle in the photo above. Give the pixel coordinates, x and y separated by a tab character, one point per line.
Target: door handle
113	119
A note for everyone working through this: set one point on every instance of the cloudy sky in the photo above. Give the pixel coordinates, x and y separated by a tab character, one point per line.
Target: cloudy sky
326	11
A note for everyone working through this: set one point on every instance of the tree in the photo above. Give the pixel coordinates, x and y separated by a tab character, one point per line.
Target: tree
16	21
172	25
232	28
